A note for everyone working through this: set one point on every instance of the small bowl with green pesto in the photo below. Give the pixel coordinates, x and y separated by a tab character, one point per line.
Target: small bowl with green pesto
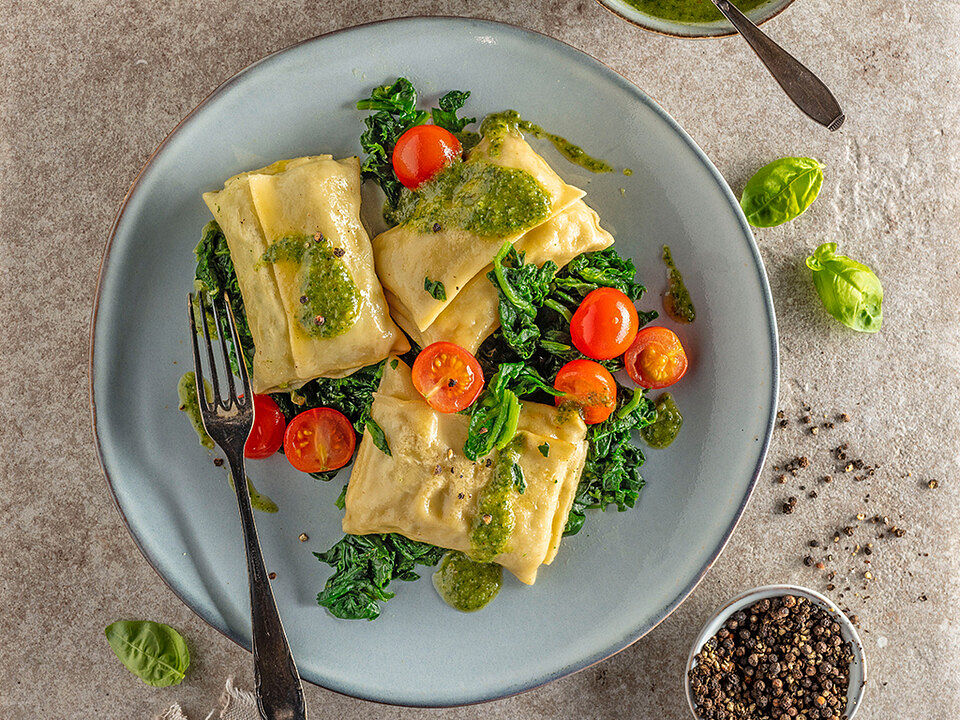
691	18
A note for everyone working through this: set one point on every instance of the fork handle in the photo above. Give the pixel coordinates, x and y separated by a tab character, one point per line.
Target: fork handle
803	87
278	689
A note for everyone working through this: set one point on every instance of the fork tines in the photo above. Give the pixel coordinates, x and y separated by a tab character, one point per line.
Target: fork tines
220	309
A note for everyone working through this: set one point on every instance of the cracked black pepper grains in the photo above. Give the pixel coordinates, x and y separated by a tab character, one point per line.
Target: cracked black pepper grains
780	659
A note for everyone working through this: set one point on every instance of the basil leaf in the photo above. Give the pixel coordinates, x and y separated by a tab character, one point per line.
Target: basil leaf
781	191
544	449
154	652
435	288
850	291
379	438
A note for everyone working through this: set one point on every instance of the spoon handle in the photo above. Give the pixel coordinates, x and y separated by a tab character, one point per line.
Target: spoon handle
803	87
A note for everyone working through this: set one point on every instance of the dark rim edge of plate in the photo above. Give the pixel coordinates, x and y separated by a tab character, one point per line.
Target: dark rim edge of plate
637	633
680	36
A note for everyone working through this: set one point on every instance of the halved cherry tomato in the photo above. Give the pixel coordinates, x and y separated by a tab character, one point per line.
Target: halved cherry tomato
423	151
447	376
588	385
656	359
605	324
319	439
268	425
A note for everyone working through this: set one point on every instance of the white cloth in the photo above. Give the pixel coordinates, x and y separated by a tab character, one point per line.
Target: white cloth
235	704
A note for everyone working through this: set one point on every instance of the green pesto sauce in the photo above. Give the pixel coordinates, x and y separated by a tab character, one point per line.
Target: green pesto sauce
495	516
466	584
677	302
689	11
187	392
258	501
329	300
477	196
665	428
496	125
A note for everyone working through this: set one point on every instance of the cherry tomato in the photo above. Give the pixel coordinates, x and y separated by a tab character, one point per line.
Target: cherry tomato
656	359
423	151
588	385
448	377
319	439
268	425
605	324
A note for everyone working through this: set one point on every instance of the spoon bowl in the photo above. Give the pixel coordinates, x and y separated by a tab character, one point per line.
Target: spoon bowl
674	28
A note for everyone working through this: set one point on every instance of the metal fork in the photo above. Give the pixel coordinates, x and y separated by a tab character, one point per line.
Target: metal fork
278	689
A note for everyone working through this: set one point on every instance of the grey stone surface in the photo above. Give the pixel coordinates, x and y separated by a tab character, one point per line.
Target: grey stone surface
87	90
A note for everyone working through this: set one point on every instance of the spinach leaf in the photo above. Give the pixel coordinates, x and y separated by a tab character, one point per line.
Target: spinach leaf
435	288
611	475
522	289
781	191
154	652
494	417
396	112
446	115
364	566
851	292
379	437
215	274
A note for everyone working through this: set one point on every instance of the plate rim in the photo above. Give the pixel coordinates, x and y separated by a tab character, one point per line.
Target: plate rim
636	633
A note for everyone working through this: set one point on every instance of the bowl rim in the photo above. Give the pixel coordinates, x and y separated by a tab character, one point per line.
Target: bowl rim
702	34
855	691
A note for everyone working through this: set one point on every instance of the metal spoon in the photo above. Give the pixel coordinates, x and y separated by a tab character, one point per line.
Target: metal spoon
802	86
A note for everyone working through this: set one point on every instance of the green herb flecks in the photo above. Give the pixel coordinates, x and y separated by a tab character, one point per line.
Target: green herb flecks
851	292
435	288
781	191
378	436
364	566
544	449
154	652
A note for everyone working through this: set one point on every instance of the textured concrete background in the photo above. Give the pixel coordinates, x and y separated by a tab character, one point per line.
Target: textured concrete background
87	90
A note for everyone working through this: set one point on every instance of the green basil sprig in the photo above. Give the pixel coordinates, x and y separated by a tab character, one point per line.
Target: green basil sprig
781	191
850	291
154	652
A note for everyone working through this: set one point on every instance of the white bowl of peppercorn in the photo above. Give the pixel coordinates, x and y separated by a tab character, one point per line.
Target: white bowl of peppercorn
778	652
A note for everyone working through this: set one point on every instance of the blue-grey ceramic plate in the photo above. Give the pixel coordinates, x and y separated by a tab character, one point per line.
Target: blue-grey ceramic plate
624	572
